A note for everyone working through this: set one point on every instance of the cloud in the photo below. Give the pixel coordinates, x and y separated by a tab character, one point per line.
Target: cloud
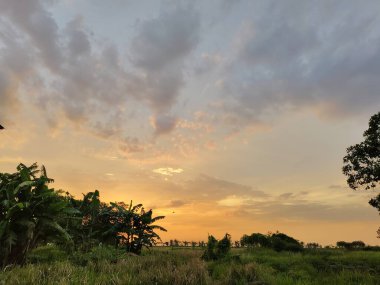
252	67
163	124
301	206
159	51
213	189
85	80
39	25
294	55
176	203
168	171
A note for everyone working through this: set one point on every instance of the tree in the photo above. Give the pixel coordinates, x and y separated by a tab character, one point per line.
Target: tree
313	245
280	241
361	165
217	249
30	213
209	253
362	162
223	246
341	244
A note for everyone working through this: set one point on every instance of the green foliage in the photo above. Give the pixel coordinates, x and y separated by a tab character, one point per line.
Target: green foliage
361	165
224	246
117	224
313	245
30	213
217	249
261	266
210	253
97	255
46	254
357	244
255	239
152	267
33	214
278	241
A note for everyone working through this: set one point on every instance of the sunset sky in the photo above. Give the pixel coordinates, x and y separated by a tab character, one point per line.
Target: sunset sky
225	116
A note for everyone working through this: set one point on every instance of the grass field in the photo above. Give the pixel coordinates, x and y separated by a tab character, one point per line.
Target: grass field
104	265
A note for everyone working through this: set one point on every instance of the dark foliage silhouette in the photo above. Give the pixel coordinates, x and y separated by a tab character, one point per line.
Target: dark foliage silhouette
361	165
32	214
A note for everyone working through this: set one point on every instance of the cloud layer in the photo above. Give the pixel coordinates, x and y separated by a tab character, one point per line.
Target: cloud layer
240	65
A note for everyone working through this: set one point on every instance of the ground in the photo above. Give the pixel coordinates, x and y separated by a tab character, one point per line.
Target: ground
50	265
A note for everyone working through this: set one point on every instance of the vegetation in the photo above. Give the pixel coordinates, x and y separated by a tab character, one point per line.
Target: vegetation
32	214
361	165
50	237
161	265
277	241
29	213
217	249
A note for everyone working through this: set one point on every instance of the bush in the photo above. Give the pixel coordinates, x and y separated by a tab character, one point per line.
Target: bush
217	249
96	255
46	254
277	241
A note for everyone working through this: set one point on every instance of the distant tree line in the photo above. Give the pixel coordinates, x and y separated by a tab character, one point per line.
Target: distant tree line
358	244
277	241
33	214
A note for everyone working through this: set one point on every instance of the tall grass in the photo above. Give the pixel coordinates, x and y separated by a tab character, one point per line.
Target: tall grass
105	265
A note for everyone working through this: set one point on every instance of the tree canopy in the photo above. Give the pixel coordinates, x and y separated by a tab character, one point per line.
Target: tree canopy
33	214
361	165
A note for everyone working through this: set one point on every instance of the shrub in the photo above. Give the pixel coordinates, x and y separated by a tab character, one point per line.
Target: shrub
217	249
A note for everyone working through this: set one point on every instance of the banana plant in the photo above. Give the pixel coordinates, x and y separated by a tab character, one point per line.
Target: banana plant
129	226
30	213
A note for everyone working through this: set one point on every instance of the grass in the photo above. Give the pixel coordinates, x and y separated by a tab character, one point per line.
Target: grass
104	265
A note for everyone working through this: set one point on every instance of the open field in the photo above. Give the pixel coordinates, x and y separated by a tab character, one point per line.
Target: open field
104	265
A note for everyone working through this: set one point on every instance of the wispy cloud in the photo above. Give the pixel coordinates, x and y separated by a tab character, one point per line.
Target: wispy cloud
168	171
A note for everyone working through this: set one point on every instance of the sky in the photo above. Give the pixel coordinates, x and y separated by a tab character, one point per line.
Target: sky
224	116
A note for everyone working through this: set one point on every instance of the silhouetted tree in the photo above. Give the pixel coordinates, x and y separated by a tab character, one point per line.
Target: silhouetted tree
313	245
341	244
361	165
245	240
223	246
358	244
278	241
217	249
209	253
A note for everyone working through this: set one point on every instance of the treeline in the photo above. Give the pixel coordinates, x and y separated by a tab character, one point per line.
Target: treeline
277	241
282	242
33	214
